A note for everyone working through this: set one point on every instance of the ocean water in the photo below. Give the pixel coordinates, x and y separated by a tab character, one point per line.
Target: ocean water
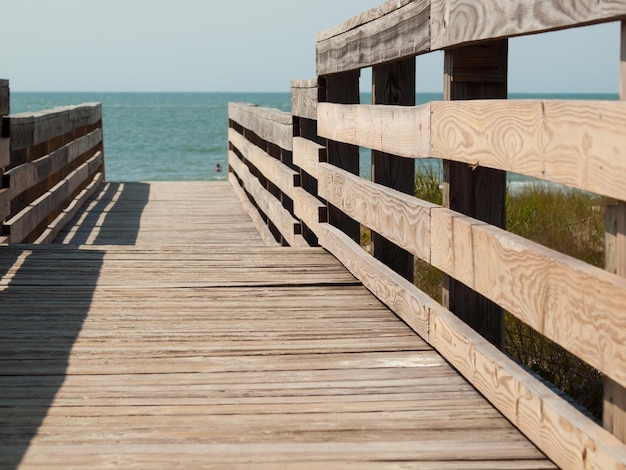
183	136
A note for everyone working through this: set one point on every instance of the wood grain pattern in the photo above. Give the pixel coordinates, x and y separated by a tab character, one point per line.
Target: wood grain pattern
575	143
307	155
399	130
568	437
403	219
393	31
269	124
460	22
309	209
304	98
539	286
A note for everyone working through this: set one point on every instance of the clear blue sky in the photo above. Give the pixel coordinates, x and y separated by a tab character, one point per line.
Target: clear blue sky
244	45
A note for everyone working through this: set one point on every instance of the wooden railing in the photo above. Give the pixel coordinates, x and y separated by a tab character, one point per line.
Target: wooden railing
55	163
311	189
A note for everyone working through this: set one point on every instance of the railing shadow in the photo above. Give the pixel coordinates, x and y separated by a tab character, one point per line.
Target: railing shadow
112	217
45	296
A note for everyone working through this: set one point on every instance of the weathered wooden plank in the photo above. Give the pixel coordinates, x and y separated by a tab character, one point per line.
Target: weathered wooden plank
399	130
304	98
258	222
395	30
30	129
538	285
307	154
567	142
21	225
309	209
280	175
567	437
573	143
461	22
271	125
401	218
280	217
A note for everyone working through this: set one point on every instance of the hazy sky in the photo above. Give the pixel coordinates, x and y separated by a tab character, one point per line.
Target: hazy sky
242	45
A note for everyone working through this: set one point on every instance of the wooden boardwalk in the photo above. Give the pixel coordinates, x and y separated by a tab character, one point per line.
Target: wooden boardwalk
194	348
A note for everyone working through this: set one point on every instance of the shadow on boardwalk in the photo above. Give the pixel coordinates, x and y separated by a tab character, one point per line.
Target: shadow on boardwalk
113	216
45	296
42	312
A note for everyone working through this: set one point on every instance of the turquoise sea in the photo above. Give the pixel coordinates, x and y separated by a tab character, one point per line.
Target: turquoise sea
179	136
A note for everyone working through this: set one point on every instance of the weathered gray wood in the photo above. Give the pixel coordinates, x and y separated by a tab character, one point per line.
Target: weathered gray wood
271	125
393	31
394	84
475	72
31	129
459	22
29	174
304	98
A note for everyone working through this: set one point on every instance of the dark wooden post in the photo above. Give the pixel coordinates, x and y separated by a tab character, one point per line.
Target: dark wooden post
394	84
614	409
476	72
5	152
343	88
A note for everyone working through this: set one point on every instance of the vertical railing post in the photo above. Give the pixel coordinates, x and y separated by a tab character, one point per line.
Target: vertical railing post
343	88
394	84
614	408
5	152
476	72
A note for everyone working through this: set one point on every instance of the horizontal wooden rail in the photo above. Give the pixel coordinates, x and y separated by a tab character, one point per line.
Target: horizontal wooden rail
573	143
404	28
56	161
266	179
576	143
538	285
568	437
